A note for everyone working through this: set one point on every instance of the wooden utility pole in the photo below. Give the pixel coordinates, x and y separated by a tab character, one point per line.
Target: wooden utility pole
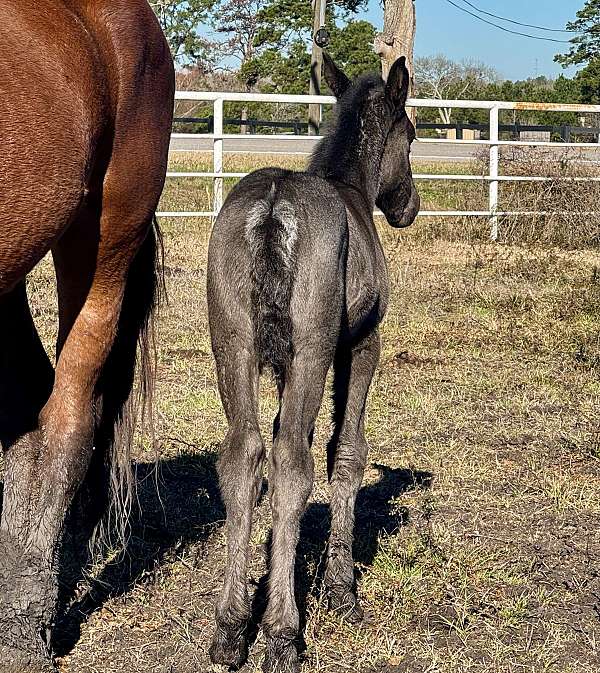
398	36
314	110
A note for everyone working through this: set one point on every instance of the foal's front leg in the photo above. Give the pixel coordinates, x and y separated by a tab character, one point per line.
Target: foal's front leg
347	456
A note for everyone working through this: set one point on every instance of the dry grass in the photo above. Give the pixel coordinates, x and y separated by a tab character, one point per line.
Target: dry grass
196	194
573	222
477	533
571	217
575	218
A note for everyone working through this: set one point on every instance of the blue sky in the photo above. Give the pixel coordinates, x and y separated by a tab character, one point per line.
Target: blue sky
441	28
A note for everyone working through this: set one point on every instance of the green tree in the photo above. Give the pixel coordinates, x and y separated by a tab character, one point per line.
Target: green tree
282	46
585	46
278	72
587	83
285	21
483	84
585	50
351	47
538	90
181	21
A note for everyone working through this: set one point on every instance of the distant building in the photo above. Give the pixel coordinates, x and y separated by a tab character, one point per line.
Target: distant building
467	134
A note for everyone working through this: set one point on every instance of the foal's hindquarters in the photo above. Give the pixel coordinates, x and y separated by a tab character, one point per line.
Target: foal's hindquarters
81	176
276	298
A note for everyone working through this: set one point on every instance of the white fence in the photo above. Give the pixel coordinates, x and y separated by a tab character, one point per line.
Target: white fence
494	143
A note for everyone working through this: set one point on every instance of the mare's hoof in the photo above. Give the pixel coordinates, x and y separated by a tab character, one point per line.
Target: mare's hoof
281	656
346	605
229	647
21	661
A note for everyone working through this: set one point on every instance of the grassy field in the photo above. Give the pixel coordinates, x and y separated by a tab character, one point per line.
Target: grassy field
195	194
477	541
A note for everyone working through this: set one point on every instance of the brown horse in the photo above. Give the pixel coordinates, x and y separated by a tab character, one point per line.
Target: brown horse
86	96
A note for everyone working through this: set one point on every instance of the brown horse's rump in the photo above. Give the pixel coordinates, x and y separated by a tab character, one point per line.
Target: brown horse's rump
86	101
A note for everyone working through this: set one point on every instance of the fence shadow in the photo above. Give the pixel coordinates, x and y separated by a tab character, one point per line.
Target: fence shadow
178	505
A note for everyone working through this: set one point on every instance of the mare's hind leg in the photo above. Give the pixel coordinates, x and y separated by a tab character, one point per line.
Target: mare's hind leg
37	498
291	473
25	383
91	274
347	456
240	475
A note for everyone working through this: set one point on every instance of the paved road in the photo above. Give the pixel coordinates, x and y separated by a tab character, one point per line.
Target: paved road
303	145
306	145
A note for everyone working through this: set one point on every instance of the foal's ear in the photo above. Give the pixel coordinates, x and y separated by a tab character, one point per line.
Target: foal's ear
398	82
335	78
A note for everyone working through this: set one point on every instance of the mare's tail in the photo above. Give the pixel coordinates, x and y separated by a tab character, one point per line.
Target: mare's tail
126	386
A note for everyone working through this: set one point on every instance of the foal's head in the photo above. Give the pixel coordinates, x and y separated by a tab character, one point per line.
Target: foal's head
372	139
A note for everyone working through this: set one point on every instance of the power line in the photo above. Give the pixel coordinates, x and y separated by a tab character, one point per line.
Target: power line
507	30
519	23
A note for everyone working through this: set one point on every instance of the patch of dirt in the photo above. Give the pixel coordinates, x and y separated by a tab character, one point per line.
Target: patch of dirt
477	539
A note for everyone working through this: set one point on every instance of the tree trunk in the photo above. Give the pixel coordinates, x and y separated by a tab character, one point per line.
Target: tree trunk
398	37
446	115
244	117
314	109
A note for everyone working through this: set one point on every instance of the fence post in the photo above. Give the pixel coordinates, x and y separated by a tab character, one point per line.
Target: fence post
218	155
494	165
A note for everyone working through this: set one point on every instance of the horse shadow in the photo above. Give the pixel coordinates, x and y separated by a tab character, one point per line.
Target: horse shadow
377	514
177	508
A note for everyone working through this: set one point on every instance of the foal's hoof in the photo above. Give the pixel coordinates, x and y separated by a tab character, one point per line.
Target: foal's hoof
281	656
346	605
229	647
20	661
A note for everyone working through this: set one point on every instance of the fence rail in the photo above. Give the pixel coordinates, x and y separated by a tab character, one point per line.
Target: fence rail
494	144
299	128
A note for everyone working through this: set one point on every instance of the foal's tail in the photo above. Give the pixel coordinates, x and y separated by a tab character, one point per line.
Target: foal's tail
127	383
271	232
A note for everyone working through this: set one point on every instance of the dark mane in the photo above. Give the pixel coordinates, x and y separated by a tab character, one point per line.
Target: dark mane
336	156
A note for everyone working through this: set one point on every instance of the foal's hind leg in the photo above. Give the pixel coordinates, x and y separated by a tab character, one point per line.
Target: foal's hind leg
291	473
240	475
347	456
